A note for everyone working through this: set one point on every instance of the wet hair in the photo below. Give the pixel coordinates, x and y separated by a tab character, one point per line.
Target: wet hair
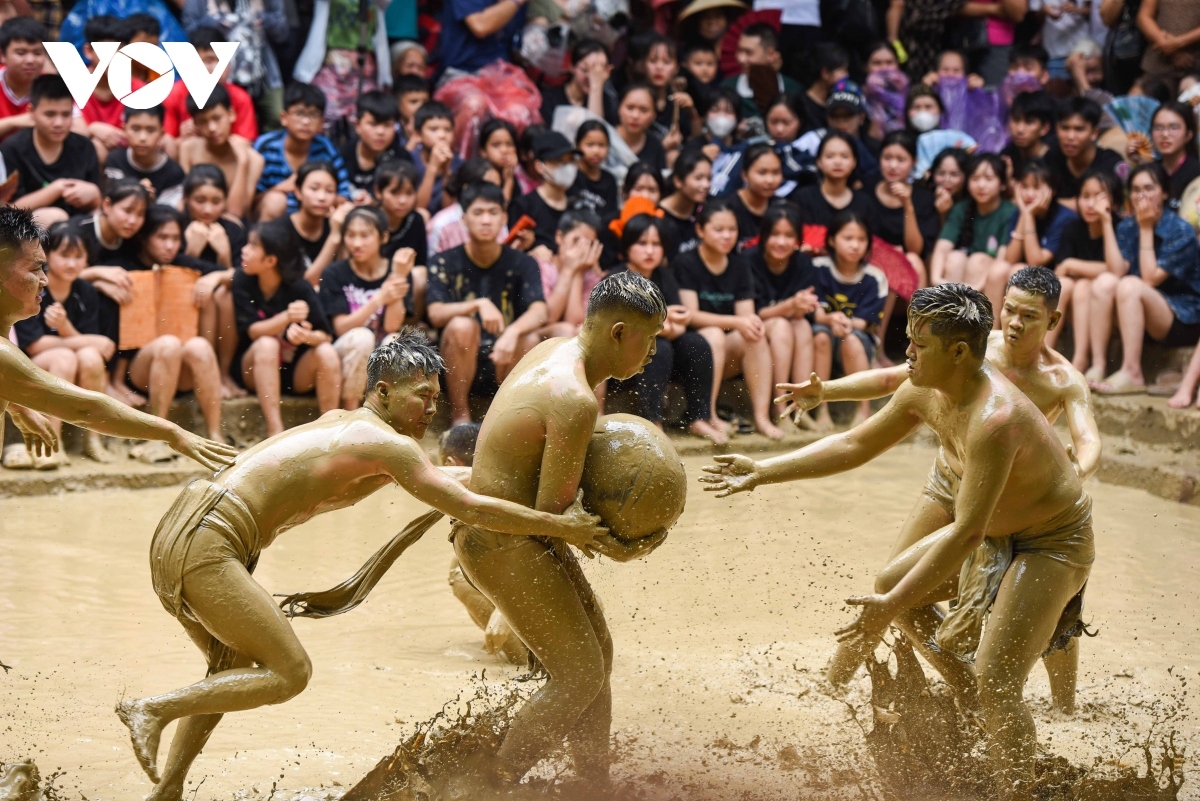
491	127
1038	281
756	152
1110	183
316	165
636	227
303	94
481	190
125	188
279	239
433	110
954	312
202	37
711	209
407	84
586	47
65	234
142	23
105	28
776	213
570	220
1155	170
1083	107
458	443
1039	106
901	138
590	126
380	105
763	32
1185	113
205	175
48	87
686	163
842	219
978	161
393	170
471	172
627	291
838	135
219	97
374	217
157	112
408	355
1038	169
21	29
18	226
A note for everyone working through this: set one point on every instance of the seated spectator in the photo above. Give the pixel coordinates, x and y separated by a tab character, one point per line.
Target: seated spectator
1075	152
59	174
476	33
411	92
952	64
716	286
409	59
144	160
446	228
24	59
948	179
832	64
588	86
498	144
643	181
215	143
1030	120
104	111
1173	137
364	297
374	142
691	178
721	118
556	164
762	174
486	298
527	181
317	223
285	342
142	27
758	51
698	64
571	273
210	235
178	114
595	188
652	60
635	115
846	111
1083	265
924	112
1158	297
434	157
1031	60
977	229
285	150
852	293
784	298
396	188
785	122
681	354
820	203
64	338
1035	233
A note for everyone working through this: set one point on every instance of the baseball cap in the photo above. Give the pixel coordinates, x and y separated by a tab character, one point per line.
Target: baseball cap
846	96
551	145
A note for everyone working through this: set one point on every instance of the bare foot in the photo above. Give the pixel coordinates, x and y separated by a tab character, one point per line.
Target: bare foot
52	461
703	428
93	448
719	424
860	417
768	429
120	391
17	457
824	422
144	734
802	421
1182	398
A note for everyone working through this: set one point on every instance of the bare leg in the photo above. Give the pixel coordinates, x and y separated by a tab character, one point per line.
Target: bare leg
782	338
1103	307
956	267
460	349
823	366
889	306
321	368
354	349
271	206
1141	309
61	363
92	376
155	369
802	354
1187	387
1081	324
226	341
260	371
524	345
753	359
854	360
420	280
202	375
979	267
1064	305
1062	668
716	343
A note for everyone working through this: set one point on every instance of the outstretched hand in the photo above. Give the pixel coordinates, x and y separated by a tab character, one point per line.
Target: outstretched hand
731	474
40	439
213	455
801	397
865	632
626	551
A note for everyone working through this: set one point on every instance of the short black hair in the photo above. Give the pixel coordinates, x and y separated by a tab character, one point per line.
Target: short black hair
219	97
827	56
48	87
636	227
125	188
1038	281
143	23
392	170
158	112
22	29
636	171
458	443
763	32
626	290
202	37
1039	106
1083	107
471	171
573	218
1028	53
433	110
303	94
408	354
205	175
380	105
18	226
481	190
315	165
955	312
105	28
407	84
65	232
1112	185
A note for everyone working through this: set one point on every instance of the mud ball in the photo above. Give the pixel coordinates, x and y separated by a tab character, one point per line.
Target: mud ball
633	478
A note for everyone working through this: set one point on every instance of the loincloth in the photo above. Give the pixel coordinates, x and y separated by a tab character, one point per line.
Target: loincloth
202	504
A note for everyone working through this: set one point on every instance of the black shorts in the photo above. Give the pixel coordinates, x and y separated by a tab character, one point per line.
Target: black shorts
1182	335
485	383
287	372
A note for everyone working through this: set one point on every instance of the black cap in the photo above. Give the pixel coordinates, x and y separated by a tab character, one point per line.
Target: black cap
552	145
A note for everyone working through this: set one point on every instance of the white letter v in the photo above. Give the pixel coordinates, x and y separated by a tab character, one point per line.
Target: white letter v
74	72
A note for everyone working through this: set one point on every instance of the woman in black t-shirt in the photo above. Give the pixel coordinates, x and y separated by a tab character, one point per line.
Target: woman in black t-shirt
635	114
595	188
681	354
691	178
396	187
836	160
317	224
715	285
762	173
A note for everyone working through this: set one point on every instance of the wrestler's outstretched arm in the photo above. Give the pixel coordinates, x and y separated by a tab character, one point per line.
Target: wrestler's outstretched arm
25	384
833	454
35	429
865	385
1085	434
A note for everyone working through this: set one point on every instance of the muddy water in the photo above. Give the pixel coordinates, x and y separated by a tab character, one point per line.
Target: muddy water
720	635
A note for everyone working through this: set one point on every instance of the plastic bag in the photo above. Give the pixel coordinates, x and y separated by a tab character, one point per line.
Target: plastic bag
544	47
886	90
976	112
499	90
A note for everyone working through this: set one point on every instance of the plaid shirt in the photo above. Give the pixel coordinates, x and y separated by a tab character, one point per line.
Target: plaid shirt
49	13
276	168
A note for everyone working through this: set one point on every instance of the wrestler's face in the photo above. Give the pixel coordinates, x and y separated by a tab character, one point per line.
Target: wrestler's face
930	361
1025	318
22	279
635	340
410	403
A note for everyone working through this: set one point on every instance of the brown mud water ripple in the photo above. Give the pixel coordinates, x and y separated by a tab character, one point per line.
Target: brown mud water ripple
21	781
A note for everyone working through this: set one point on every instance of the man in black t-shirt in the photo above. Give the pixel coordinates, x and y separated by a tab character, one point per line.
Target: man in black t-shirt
555	160
143	160
487	301
1076	152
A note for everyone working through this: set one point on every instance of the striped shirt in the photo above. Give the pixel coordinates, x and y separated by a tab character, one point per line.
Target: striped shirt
276	168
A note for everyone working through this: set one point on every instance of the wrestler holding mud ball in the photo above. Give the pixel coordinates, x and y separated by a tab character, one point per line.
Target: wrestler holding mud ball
206	547
1009	475
26	390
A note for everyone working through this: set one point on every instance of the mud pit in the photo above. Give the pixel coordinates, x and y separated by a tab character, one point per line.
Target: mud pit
721	636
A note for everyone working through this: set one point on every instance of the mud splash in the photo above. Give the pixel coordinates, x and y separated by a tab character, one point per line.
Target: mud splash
22	781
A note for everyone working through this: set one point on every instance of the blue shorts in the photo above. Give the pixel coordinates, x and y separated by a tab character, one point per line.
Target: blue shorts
868	343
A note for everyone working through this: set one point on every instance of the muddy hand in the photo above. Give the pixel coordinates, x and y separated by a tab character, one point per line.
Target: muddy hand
877	613
580	527
622	551
40	439
730	474
802	397
213	455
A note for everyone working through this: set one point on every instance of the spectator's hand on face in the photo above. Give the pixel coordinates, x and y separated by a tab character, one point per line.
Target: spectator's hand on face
219	241
943	201
188	128
490	317
901	189
297	311
598	70
56	316
338	217
441	157
1104	208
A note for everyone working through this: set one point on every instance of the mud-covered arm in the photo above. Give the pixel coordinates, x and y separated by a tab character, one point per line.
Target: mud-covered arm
569	424
865	385
1085	434
460	474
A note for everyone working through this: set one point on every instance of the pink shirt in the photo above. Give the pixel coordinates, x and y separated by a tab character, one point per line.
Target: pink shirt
999	31
550	280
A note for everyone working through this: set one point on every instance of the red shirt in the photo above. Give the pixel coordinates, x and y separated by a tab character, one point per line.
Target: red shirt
176	113
111	112
10	104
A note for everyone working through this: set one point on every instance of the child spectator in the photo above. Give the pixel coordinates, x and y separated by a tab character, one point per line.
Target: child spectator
498	144
284	338
526	180
556	165
785	121
1159	296
952	64
832	64
846	111
486	298
699	66
588	87
852	293
721	119
104	111
758	48
836	162
652	60
948	179
285	150
237	102
396	188
364	297
375	142
24	59
784	297
681	354
977	229
924	112
569	276
595	188
635	114
434	157
446	228
144	160
58	169
1030	120
64	337
1173	136
1075	152
716	286
1083	264
215	143
411	92
643	181
317	223
762	174
692	178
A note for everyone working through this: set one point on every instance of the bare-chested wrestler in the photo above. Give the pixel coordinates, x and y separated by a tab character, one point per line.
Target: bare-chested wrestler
26	390
531	450
1010	477
207	545
1047	378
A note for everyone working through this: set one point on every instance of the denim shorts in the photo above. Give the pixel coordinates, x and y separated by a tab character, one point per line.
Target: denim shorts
868	342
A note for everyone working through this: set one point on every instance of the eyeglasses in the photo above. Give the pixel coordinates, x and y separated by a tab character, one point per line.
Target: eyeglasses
1174	127
305	114
1143	191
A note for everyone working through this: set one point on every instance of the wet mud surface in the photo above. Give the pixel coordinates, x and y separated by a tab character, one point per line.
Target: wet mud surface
721	637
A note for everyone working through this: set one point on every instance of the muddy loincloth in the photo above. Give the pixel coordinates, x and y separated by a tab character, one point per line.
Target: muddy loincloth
1066	538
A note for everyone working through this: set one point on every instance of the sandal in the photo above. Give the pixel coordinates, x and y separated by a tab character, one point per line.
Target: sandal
16	457
1119	384
153	452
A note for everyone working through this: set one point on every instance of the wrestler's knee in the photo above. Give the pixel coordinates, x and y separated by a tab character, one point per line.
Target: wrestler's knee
292	677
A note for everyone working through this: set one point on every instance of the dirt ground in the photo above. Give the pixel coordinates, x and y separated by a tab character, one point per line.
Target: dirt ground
720	639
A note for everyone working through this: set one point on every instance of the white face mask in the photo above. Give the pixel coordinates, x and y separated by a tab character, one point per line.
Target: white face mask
925	120
721	125
563	175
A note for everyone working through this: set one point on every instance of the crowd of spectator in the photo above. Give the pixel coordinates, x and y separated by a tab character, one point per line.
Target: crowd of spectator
787	174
